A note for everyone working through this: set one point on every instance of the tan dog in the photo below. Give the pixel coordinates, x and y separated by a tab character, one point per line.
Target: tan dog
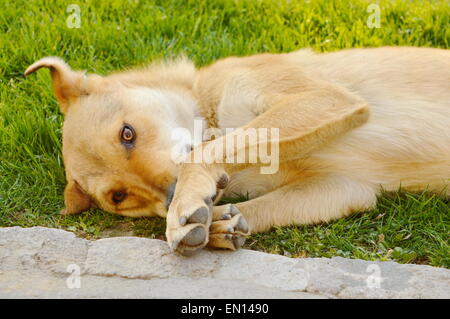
351	123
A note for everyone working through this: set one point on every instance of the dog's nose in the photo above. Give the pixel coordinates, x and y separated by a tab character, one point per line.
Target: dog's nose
170	193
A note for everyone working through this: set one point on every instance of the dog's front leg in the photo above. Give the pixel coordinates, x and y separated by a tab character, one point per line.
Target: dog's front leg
305	122
191	219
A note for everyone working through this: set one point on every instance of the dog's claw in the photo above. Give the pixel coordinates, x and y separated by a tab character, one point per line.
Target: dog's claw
182	220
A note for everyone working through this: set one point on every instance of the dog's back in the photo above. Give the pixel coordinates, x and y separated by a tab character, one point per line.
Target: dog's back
406	141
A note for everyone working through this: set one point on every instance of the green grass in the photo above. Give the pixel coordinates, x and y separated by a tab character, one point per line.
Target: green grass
116	34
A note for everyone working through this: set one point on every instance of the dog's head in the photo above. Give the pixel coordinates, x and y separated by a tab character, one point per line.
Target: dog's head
117	144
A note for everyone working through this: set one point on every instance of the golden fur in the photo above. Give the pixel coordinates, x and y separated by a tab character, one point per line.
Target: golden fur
351	122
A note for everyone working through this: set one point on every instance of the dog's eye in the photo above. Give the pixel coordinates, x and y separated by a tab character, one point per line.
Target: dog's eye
127	135
118	197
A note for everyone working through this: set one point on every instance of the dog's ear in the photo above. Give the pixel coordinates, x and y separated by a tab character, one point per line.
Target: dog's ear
67	84
75	199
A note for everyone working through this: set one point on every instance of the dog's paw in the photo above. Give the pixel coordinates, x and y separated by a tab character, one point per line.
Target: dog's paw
229	229
190	209
190	232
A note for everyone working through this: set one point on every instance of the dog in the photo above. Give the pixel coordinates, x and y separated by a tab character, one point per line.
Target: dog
350	123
